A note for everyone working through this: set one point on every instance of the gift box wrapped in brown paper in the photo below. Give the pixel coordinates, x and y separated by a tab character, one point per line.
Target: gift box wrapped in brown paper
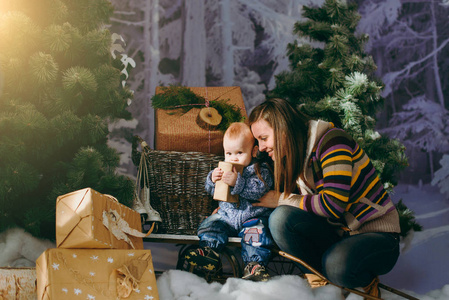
89	219
181	132
97	274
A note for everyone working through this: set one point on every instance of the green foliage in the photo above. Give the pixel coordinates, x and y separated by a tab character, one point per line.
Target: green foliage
61	87
407	219
332	78
230	113
177	96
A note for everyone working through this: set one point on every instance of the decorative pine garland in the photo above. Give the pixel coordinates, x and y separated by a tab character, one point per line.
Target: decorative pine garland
181	99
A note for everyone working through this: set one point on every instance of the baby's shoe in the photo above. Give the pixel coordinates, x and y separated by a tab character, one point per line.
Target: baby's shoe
255	272
203	258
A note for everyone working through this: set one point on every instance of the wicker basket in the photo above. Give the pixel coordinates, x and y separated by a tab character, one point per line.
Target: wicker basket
176	181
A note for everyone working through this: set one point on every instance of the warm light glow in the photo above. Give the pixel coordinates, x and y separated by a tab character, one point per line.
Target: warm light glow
1	82
1	72
3	7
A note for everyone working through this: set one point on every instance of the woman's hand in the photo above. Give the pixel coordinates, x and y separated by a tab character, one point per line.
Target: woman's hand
270	200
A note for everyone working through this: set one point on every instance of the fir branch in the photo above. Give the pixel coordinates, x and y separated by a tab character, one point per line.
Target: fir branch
229	112
43	68
356	83
78	79
57	37
176	96
407	219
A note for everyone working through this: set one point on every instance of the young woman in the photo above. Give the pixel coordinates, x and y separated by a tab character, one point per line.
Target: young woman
331	208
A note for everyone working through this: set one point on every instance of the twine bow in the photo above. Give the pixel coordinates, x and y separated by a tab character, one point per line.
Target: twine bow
126	282
128	276
120	229
207	105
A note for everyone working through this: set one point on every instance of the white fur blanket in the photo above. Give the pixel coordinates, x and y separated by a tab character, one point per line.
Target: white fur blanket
20	249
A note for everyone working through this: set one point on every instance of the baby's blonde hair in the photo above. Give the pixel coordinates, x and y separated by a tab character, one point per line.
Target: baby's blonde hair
239	130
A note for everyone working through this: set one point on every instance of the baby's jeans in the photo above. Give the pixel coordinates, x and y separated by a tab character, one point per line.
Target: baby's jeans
256	240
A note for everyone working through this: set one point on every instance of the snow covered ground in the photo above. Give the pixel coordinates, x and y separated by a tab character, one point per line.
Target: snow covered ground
175	284
425	266
422	270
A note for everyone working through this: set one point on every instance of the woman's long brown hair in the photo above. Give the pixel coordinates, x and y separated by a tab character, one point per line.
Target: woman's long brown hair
290	129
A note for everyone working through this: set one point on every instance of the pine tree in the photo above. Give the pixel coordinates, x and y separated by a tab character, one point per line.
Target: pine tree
332	78
59	88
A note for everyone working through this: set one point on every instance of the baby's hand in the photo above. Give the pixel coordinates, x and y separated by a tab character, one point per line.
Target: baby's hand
230	178
217	174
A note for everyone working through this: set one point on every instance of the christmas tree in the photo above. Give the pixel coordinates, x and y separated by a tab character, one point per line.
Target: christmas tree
332	78
60	86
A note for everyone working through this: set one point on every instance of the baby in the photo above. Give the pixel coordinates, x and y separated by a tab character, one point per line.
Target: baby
242	219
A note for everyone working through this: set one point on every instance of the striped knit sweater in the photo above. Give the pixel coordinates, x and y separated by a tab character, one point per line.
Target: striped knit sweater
341	184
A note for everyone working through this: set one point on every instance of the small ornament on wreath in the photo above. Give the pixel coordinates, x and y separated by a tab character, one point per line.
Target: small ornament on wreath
209	118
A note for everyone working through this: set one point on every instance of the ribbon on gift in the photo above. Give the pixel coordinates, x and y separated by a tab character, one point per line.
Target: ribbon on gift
120	229
127	277
207	105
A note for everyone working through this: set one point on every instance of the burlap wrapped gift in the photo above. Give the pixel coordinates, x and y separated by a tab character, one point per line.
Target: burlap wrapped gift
180	132
100	274
18	283
89	219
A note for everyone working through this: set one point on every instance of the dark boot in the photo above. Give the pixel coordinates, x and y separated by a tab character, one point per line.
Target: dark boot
203	258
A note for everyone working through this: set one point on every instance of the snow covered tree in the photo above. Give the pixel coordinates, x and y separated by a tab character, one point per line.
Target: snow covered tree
61	87
332	78
409	40
422	124
441	177
412	41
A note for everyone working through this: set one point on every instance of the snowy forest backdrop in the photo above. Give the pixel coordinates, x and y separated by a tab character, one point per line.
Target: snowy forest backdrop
232	42
243	43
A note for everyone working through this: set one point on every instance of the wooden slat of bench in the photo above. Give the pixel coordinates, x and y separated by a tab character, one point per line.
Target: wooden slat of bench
183	239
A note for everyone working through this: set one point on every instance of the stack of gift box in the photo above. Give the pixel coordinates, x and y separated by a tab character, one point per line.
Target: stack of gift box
99	252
